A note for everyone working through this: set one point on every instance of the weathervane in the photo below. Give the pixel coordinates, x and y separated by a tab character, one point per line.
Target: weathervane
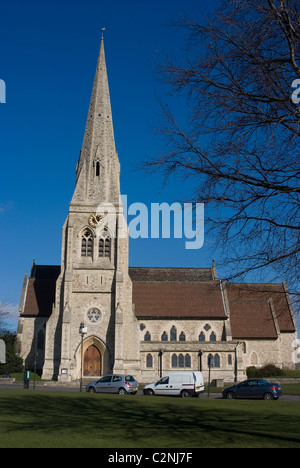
102	29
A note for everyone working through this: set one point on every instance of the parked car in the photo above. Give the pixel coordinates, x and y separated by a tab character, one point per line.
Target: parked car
184	384
121	384
253	388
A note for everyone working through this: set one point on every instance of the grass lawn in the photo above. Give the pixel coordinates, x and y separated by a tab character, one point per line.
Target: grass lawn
56	419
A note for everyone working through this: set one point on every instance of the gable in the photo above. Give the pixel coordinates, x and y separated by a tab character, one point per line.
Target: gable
40	294
252	315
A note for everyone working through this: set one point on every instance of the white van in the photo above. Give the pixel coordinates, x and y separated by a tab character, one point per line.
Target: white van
184	384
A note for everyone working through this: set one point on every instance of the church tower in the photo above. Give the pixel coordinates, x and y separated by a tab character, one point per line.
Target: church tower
93	312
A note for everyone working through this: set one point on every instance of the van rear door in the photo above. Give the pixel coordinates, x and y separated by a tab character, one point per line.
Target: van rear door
199	382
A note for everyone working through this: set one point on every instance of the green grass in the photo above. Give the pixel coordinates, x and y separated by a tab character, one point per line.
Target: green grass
291	389
56	419
288	389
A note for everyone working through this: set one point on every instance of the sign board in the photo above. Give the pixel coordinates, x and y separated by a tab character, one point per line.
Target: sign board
2	352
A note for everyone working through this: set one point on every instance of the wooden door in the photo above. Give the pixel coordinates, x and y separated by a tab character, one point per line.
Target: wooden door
92	362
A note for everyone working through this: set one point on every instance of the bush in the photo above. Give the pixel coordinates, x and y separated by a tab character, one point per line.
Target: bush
13	362
267	371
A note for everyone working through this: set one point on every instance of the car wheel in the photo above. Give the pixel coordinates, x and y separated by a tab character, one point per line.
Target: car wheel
230	396
185	394
92	390
149	392
268	396
122	391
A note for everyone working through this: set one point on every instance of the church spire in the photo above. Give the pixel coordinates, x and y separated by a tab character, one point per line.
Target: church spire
98	165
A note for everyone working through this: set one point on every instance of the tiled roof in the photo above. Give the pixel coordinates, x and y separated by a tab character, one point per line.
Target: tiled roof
251	310
40	295
184	293
170	274
158	299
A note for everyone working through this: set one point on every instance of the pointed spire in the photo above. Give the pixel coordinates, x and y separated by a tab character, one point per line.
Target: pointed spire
98	155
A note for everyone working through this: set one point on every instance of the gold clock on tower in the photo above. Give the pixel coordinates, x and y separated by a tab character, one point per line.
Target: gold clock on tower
95	220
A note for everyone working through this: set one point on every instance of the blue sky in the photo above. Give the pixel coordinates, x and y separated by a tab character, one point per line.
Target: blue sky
48	57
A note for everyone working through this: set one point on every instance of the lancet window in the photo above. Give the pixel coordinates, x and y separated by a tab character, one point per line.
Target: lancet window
87	244
105	246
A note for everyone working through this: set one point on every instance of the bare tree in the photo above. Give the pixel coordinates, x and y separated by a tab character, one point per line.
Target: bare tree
3	315
240	132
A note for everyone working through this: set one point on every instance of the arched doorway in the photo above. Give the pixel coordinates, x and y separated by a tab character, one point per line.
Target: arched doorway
92	361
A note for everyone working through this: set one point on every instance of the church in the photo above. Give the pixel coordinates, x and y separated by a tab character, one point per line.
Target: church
94	315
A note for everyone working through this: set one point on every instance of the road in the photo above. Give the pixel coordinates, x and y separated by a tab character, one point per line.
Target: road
73	388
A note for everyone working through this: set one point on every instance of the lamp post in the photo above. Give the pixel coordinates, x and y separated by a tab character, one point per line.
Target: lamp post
210	365
200	354
160	363
82	331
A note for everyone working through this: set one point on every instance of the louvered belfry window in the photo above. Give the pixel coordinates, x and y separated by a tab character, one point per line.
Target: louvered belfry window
87	244
105	247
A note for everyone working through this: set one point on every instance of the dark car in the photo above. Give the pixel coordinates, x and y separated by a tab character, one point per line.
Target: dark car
253	388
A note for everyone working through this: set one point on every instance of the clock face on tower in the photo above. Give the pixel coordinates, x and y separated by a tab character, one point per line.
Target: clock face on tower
95	220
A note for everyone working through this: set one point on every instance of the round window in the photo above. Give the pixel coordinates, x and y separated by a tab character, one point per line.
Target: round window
94	315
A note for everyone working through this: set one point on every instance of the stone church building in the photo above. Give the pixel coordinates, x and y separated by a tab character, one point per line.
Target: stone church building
94	314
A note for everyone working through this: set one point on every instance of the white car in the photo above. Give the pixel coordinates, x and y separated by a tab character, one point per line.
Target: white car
184	384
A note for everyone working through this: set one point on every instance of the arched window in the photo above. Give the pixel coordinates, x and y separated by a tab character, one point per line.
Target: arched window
187	361
217	362
174	361
181	361
147	336
87	244
149	361
182	336
212	337
210	361
101	247
202	337
164	336
173	334
214	361
105	246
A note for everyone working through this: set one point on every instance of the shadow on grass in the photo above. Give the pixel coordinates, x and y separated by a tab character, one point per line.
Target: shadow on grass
56	419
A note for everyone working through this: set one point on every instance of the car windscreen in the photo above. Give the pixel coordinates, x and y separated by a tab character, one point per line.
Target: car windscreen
129	378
